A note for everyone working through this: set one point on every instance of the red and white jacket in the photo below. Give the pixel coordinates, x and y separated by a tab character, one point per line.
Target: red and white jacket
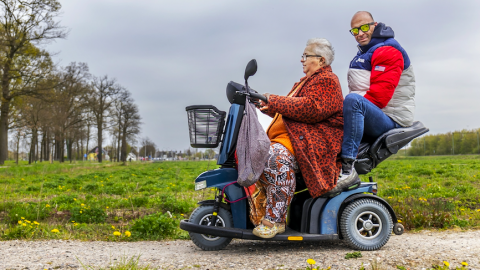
382	73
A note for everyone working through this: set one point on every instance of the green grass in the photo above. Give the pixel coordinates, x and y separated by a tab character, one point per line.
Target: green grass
432	192
146	201
125	263
91	201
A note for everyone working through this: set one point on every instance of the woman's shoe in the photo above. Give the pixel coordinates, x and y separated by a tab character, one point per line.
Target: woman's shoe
264	231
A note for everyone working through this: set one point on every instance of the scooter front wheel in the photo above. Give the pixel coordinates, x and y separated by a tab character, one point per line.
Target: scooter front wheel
366	224
203	216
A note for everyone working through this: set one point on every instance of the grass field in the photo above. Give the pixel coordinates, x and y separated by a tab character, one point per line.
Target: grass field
146	201
439	192
98	201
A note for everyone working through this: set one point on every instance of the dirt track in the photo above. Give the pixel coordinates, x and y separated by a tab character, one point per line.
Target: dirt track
412	250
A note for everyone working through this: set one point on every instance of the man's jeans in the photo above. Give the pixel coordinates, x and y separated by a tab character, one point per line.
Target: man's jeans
362	118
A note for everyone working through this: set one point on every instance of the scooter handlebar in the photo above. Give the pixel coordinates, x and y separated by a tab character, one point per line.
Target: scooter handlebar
258	96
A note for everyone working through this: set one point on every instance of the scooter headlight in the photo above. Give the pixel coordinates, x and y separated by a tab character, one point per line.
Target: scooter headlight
200	185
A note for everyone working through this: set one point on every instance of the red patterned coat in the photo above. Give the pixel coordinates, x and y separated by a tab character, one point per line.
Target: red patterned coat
313	117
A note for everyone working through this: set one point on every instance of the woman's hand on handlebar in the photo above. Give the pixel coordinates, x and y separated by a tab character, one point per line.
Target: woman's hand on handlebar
263	105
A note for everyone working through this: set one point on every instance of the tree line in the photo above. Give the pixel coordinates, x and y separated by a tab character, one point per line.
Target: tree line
463	142
56	108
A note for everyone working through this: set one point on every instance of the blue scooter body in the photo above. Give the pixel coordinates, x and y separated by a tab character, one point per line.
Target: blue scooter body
328	217
220	178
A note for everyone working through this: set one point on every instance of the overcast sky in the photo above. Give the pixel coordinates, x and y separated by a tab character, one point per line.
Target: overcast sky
171	54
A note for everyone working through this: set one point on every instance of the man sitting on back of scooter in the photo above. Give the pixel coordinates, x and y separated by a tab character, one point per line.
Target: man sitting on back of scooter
307	127
382	88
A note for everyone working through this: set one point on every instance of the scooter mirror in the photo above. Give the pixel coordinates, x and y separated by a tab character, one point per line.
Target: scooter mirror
251	69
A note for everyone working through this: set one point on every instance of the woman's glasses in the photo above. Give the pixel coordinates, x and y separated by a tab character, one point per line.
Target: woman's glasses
355	31
304	57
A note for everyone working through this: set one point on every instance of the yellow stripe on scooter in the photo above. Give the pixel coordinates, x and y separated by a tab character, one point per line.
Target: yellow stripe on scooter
214	213
295	238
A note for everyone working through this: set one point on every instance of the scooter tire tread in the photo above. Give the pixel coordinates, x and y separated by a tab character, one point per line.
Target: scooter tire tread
346	219
223	241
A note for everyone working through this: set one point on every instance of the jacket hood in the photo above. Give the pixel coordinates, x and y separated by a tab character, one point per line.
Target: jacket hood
383	31
380	34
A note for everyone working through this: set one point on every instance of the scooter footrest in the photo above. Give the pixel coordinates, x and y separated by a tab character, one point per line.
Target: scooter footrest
288	235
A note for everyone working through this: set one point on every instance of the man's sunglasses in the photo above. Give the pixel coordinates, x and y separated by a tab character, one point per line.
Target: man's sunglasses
355	31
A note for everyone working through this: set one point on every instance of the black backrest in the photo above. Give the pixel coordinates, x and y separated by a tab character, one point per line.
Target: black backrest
370	155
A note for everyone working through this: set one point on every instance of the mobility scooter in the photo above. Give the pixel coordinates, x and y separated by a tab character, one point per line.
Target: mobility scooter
356	215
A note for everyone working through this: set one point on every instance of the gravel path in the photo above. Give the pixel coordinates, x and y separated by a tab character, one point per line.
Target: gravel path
413	250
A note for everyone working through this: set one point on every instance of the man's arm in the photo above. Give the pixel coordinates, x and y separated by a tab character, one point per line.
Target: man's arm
387	67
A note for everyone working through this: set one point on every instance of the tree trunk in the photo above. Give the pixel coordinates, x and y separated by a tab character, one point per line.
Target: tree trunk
69	149
42	149
81	148
88	139
59	148
119	154
5	109
56	155
78	150
100	138
18	147
4	130
36	148
47	145
62	149
124	146
33	143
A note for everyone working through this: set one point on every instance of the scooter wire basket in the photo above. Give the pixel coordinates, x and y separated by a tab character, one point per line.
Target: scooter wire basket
205	124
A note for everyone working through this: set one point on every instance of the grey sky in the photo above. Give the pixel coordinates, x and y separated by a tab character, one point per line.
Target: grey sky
171	54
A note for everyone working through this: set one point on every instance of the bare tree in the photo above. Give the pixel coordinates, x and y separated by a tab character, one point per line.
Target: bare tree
103	94
129	125
23	24
69	102
127	122
32	112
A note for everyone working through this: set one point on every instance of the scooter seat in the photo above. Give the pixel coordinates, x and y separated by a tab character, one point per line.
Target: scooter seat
397	138
370	155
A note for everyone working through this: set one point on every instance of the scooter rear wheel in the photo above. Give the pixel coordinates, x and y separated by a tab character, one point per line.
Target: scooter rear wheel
366	224
203	216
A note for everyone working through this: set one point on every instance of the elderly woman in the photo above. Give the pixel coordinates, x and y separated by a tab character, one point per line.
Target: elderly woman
306	133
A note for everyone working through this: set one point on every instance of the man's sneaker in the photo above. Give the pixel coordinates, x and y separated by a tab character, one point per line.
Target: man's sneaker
348	177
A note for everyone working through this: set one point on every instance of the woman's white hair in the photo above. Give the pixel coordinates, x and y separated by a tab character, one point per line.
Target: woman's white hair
324	48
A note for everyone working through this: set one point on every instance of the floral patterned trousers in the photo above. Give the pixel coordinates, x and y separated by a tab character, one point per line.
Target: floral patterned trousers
275	188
